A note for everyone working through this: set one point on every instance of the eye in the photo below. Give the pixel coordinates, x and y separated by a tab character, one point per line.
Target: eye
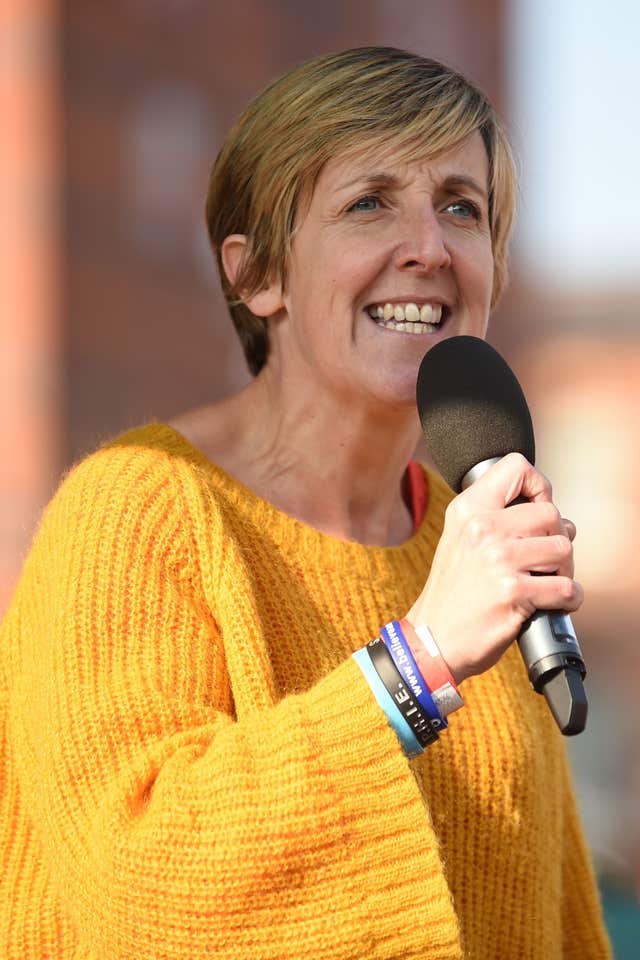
365	204
465	209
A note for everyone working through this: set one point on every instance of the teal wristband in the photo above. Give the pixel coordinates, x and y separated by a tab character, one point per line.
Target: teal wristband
400	726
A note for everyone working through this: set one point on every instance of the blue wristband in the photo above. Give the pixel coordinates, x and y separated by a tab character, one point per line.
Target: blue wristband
421	725
407	667
403	731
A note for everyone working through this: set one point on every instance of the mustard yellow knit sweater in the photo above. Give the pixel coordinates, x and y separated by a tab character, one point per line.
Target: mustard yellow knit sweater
194	767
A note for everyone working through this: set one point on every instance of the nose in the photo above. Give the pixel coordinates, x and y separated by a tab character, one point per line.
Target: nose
423	247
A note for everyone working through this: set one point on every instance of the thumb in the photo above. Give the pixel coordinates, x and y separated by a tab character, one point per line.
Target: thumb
511	477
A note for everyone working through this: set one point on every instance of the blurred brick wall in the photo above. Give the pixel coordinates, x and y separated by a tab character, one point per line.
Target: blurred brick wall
112	314
150	90
31	185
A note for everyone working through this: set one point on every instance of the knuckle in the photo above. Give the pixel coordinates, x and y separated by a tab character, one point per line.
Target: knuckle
497	554
567	589
509	590
563	547
548	488
477	529
551	515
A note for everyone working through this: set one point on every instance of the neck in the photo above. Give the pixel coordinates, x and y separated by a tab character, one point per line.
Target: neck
336	466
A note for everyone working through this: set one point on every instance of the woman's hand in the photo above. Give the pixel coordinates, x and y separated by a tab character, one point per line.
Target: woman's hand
481	588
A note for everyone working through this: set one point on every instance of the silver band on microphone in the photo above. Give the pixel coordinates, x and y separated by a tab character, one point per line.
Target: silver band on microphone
478	471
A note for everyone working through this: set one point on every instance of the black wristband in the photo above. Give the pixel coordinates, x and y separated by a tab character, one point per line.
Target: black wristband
420	724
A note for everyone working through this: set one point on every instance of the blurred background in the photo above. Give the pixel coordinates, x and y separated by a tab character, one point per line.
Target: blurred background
111	315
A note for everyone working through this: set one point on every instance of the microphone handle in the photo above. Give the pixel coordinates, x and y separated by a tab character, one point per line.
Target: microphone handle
554	662
550	651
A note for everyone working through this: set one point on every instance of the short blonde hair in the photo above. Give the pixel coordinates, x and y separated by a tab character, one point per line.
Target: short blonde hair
329	106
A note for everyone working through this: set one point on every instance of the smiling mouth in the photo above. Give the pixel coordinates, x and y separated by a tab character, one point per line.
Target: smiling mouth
409	317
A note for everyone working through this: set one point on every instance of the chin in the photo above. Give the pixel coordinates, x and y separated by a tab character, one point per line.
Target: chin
396	389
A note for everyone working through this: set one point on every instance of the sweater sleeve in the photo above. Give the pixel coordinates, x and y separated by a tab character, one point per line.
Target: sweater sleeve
584	933
170	828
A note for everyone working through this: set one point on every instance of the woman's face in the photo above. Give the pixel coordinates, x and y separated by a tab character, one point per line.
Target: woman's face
388	258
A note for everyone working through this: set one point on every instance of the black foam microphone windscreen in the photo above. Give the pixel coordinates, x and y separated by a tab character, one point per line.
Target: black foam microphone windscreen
471	406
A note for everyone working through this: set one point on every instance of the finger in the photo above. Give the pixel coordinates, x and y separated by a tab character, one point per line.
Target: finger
543	555
570	528
554	593
539	519
511	477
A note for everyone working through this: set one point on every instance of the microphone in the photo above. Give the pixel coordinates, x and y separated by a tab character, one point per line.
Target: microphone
473	412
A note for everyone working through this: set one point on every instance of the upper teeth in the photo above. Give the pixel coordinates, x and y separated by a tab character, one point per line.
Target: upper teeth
407	312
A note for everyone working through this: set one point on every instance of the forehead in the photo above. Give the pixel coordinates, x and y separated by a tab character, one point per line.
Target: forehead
402	164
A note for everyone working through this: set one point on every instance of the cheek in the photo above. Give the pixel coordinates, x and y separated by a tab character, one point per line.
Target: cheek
485	282
478	278
342	281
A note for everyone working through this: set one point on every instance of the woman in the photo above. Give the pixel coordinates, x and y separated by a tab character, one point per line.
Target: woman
202	761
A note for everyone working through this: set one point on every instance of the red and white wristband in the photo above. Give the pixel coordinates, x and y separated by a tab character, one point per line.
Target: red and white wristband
434	670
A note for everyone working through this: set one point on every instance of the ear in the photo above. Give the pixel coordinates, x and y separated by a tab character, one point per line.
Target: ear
265	302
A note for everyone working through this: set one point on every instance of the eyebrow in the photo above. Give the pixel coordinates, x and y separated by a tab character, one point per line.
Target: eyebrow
380	177
383	178
462	180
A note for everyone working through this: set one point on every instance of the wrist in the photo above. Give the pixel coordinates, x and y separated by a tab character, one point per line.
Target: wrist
433	665
417	616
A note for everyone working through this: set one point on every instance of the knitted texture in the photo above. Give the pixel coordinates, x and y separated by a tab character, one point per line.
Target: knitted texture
194	767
